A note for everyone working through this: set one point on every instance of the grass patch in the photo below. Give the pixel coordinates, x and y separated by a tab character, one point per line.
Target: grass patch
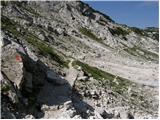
5	87
88	33
95	72
118	31
147	54
44	49
131	51
106	77
121	88
139	31
9	25
30	10
135	52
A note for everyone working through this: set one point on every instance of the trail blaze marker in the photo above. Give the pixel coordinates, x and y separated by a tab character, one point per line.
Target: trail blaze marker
18	58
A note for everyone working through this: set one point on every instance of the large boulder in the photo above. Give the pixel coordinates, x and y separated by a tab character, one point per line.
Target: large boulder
12	65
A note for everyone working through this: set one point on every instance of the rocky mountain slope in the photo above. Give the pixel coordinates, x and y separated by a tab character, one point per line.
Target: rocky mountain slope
67	60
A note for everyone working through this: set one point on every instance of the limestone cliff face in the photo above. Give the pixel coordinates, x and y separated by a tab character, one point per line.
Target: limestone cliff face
67	60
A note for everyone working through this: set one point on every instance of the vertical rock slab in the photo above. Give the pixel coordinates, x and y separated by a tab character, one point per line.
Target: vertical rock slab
12	65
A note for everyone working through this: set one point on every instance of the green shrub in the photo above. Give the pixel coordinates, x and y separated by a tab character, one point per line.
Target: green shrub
105	76
118	31
6	86
45	49
139	31
96	73
33	40
31	10
88	33
156	36
147	54
150	55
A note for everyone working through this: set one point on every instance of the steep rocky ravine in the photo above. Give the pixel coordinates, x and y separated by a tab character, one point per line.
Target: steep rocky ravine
67	60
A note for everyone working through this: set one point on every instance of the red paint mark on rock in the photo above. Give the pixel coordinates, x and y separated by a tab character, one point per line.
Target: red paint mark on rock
18	58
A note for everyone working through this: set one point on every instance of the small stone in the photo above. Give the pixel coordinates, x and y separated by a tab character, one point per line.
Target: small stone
82	78
60	107
45	108
130	116
53	77
29	117
98	105
91	78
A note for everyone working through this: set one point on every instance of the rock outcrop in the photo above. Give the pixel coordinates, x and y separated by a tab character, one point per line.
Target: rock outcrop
67	60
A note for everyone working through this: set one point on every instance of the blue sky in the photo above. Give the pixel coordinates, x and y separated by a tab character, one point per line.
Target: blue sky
132	13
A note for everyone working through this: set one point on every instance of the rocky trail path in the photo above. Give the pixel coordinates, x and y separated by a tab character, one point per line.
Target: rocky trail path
72	74
147	75
56	99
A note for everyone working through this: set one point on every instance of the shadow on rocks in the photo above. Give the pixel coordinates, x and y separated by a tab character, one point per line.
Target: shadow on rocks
44	89
82	108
